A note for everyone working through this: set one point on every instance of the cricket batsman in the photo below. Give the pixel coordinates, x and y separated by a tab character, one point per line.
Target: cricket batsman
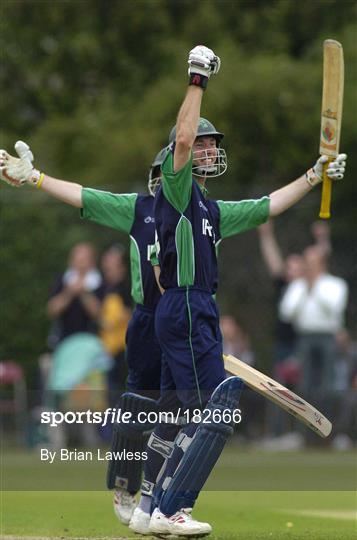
189	228
131	214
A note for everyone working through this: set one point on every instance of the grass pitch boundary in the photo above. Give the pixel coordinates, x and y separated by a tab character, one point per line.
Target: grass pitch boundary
329	514
17	537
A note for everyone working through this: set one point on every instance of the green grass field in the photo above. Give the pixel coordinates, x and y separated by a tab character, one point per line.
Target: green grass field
243	515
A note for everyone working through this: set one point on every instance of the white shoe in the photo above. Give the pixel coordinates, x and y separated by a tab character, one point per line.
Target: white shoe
180	524
140	521
124	505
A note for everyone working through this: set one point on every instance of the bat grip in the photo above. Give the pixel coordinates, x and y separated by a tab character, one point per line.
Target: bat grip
326	194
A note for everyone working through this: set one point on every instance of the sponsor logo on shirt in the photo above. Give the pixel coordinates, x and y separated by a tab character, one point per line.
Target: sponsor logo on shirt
207	227
201	205
149	219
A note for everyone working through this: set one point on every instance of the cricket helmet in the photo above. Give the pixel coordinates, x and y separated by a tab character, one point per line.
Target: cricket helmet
206	129
155	171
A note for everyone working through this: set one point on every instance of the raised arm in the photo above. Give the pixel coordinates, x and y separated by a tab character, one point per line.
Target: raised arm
177	166
187	122
287	196
67	192
270	249
19	171
202	63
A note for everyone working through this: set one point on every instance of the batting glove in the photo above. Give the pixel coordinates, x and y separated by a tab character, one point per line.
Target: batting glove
18	171
335	169
202	63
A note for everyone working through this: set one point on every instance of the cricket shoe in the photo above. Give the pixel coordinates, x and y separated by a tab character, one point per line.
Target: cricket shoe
180	524
124	505
140	522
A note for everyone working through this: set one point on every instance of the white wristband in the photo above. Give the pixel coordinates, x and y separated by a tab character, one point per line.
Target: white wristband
311	177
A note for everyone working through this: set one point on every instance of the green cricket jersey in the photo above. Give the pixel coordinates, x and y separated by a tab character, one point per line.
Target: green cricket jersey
131	214
189	227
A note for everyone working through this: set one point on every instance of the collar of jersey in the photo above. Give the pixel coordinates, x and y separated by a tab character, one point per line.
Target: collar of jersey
203	189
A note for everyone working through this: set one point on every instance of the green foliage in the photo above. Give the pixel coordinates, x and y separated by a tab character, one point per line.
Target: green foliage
94	87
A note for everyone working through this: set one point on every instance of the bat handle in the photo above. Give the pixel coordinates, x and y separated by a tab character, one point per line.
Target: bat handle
326	194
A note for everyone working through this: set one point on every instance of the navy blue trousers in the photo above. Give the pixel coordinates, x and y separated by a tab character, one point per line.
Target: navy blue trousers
187	328
143	354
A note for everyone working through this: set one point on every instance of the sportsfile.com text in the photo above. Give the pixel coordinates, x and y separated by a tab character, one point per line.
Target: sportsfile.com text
113	415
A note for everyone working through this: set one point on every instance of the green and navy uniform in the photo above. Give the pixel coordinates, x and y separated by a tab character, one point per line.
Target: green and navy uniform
189	229
133	214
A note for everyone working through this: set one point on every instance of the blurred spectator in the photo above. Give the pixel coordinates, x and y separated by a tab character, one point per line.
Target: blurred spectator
114	316
74	306
235	340
282	273
77	382
315	305
345	385
345	358
320	231
75	299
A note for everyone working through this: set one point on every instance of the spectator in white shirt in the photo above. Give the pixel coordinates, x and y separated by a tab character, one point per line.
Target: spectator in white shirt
315	305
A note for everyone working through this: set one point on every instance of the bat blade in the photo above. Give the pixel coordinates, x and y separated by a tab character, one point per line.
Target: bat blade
331	112
278	394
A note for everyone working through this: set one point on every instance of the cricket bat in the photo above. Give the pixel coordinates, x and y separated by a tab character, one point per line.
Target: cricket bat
278	394
331	113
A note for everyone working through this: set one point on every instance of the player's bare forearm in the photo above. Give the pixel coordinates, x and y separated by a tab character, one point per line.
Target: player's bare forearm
202	63
67	192
287	196
187	122
18	171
